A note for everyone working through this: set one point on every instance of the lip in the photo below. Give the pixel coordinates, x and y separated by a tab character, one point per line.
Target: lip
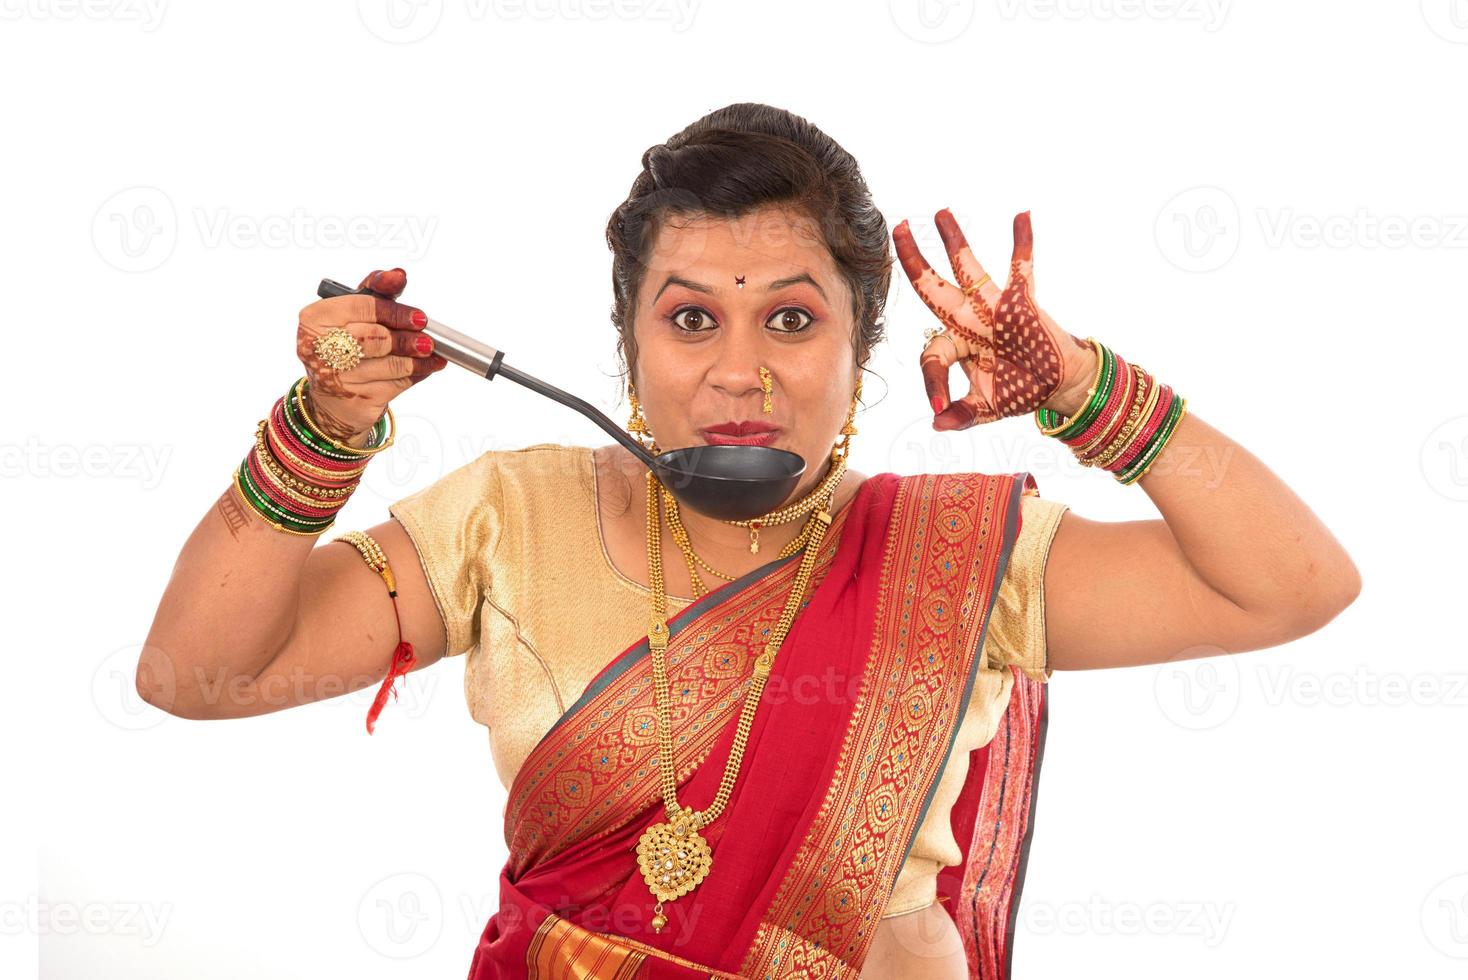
748	433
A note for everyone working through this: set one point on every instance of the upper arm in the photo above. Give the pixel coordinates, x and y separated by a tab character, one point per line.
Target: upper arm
345	628
1122	593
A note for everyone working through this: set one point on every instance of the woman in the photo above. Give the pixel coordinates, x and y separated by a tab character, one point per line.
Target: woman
821	762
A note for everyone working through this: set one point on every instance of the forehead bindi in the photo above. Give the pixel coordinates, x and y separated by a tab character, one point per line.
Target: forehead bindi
716	262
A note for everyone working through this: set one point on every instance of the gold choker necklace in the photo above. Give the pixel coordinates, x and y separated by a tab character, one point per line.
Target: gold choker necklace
825	490
822	491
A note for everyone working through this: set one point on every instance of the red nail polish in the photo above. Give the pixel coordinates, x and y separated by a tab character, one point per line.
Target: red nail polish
425	344
937	404
419	318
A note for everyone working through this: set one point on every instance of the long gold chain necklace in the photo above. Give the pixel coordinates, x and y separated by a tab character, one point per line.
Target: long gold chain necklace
673	855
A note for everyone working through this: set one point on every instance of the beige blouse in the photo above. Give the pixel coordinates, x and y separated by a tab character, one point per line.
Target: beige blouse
512	547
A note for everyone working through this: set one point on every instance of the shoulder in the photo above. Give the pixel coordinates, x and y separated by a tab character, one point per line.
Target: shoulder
497	475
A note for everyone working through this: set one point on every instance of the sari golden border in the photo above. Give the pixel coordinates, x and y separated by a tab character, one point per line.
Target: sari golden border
948	543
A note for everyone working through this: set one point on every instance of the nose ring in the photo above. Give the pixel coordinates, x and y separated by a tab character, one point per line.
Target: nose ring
764	382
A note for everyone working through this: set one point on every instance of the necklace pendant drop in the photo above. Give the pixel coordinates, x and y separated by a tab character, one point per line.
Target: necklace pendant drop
674	858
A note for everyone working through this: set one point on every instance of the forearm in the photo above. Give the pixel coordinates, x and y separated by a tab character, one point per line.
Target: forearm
230	604
1245	532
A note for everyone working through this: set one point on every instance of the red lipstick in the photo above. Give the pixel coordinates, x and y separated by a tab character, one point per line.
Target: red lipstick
743	433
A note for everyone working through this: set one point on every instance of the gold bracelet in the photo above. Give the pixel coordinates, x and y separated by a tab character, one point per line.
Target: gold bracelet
392	426
373	555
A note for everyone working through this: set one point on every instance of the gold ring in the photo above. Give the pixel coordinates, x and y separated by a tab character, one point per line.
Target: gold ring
338	349
973	287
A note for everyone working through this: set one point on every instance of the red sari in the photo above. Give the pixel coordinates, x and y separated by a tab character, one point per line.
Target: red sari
853	732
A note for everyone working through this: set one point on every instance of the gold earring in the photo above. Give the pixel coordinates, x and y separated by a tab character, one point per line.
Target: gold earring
637	423
843	449
764	382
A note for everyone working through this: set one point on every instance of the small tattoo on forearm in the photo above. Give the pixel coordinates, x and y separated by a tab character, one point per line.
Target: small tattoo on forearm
233	513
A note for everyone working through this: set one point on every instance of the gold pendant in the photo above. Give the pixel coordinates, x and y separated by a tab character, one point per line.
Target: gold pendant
674	858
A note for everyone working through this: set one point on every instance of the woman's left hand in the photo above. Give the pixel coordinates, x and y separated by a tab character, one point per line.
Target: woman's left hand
1016	357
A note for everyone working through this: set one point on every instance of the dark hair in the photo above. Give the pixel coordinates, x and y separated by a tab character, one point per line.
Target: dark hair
733	161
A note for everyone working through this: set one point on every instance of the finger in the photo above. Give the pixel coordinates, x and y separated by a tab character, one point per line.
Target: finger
1021	262
946	300
966	267
379	341
935	361
959	415
338	311
385	282
974	408
393	367
362	378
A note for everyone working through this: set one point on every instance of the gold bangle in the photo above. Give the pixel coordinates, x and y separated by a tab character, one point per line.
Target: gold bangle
281	450
392	426
285	476
293	494
1182	411
254	509
1124	440
1130	381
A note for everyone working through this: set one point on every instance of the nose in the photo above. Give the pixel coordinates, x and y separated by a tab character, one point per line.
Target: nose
737	360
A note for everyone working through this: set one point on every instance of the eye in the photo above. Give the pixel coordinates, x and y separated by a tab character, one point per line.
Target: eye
789	320
695	321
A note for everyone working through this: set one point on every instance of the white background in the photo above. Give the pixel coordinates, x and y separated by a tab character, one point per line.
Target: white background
1262	203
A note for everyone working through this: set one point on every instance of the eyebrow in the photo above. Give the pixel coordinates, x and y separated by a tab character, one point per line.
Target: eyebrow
699	287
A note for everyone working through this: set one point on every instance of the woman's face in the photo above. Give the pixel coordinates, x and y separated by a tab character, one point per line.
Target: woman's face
701	338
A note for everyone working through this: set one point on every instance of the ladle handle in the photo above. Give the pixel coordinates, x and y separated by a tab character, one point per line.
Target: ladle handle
488	362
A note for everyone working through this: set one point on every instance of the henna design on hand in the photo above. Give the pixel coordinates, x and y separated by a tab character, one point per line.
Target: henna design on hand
400	326
1009	348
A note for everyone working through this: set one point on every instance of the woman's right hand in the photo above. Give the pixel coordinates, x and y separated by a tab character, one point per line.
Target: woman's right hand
395	355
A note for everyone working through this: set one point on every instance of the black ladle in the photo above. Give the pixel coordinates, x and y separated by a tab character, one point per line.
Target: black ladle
731	483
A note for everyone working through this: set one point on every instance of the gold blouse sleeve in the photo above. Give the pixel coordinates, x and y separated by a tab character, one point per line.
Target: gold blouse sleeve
455	525
1016	632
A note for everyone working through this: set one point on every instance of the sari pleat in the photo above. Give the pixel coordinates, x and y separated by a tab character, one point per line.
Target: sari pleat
993	822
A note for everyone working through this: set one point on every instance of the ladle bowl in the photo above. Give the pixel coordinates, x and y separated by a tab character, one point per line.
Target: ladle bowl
731	483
